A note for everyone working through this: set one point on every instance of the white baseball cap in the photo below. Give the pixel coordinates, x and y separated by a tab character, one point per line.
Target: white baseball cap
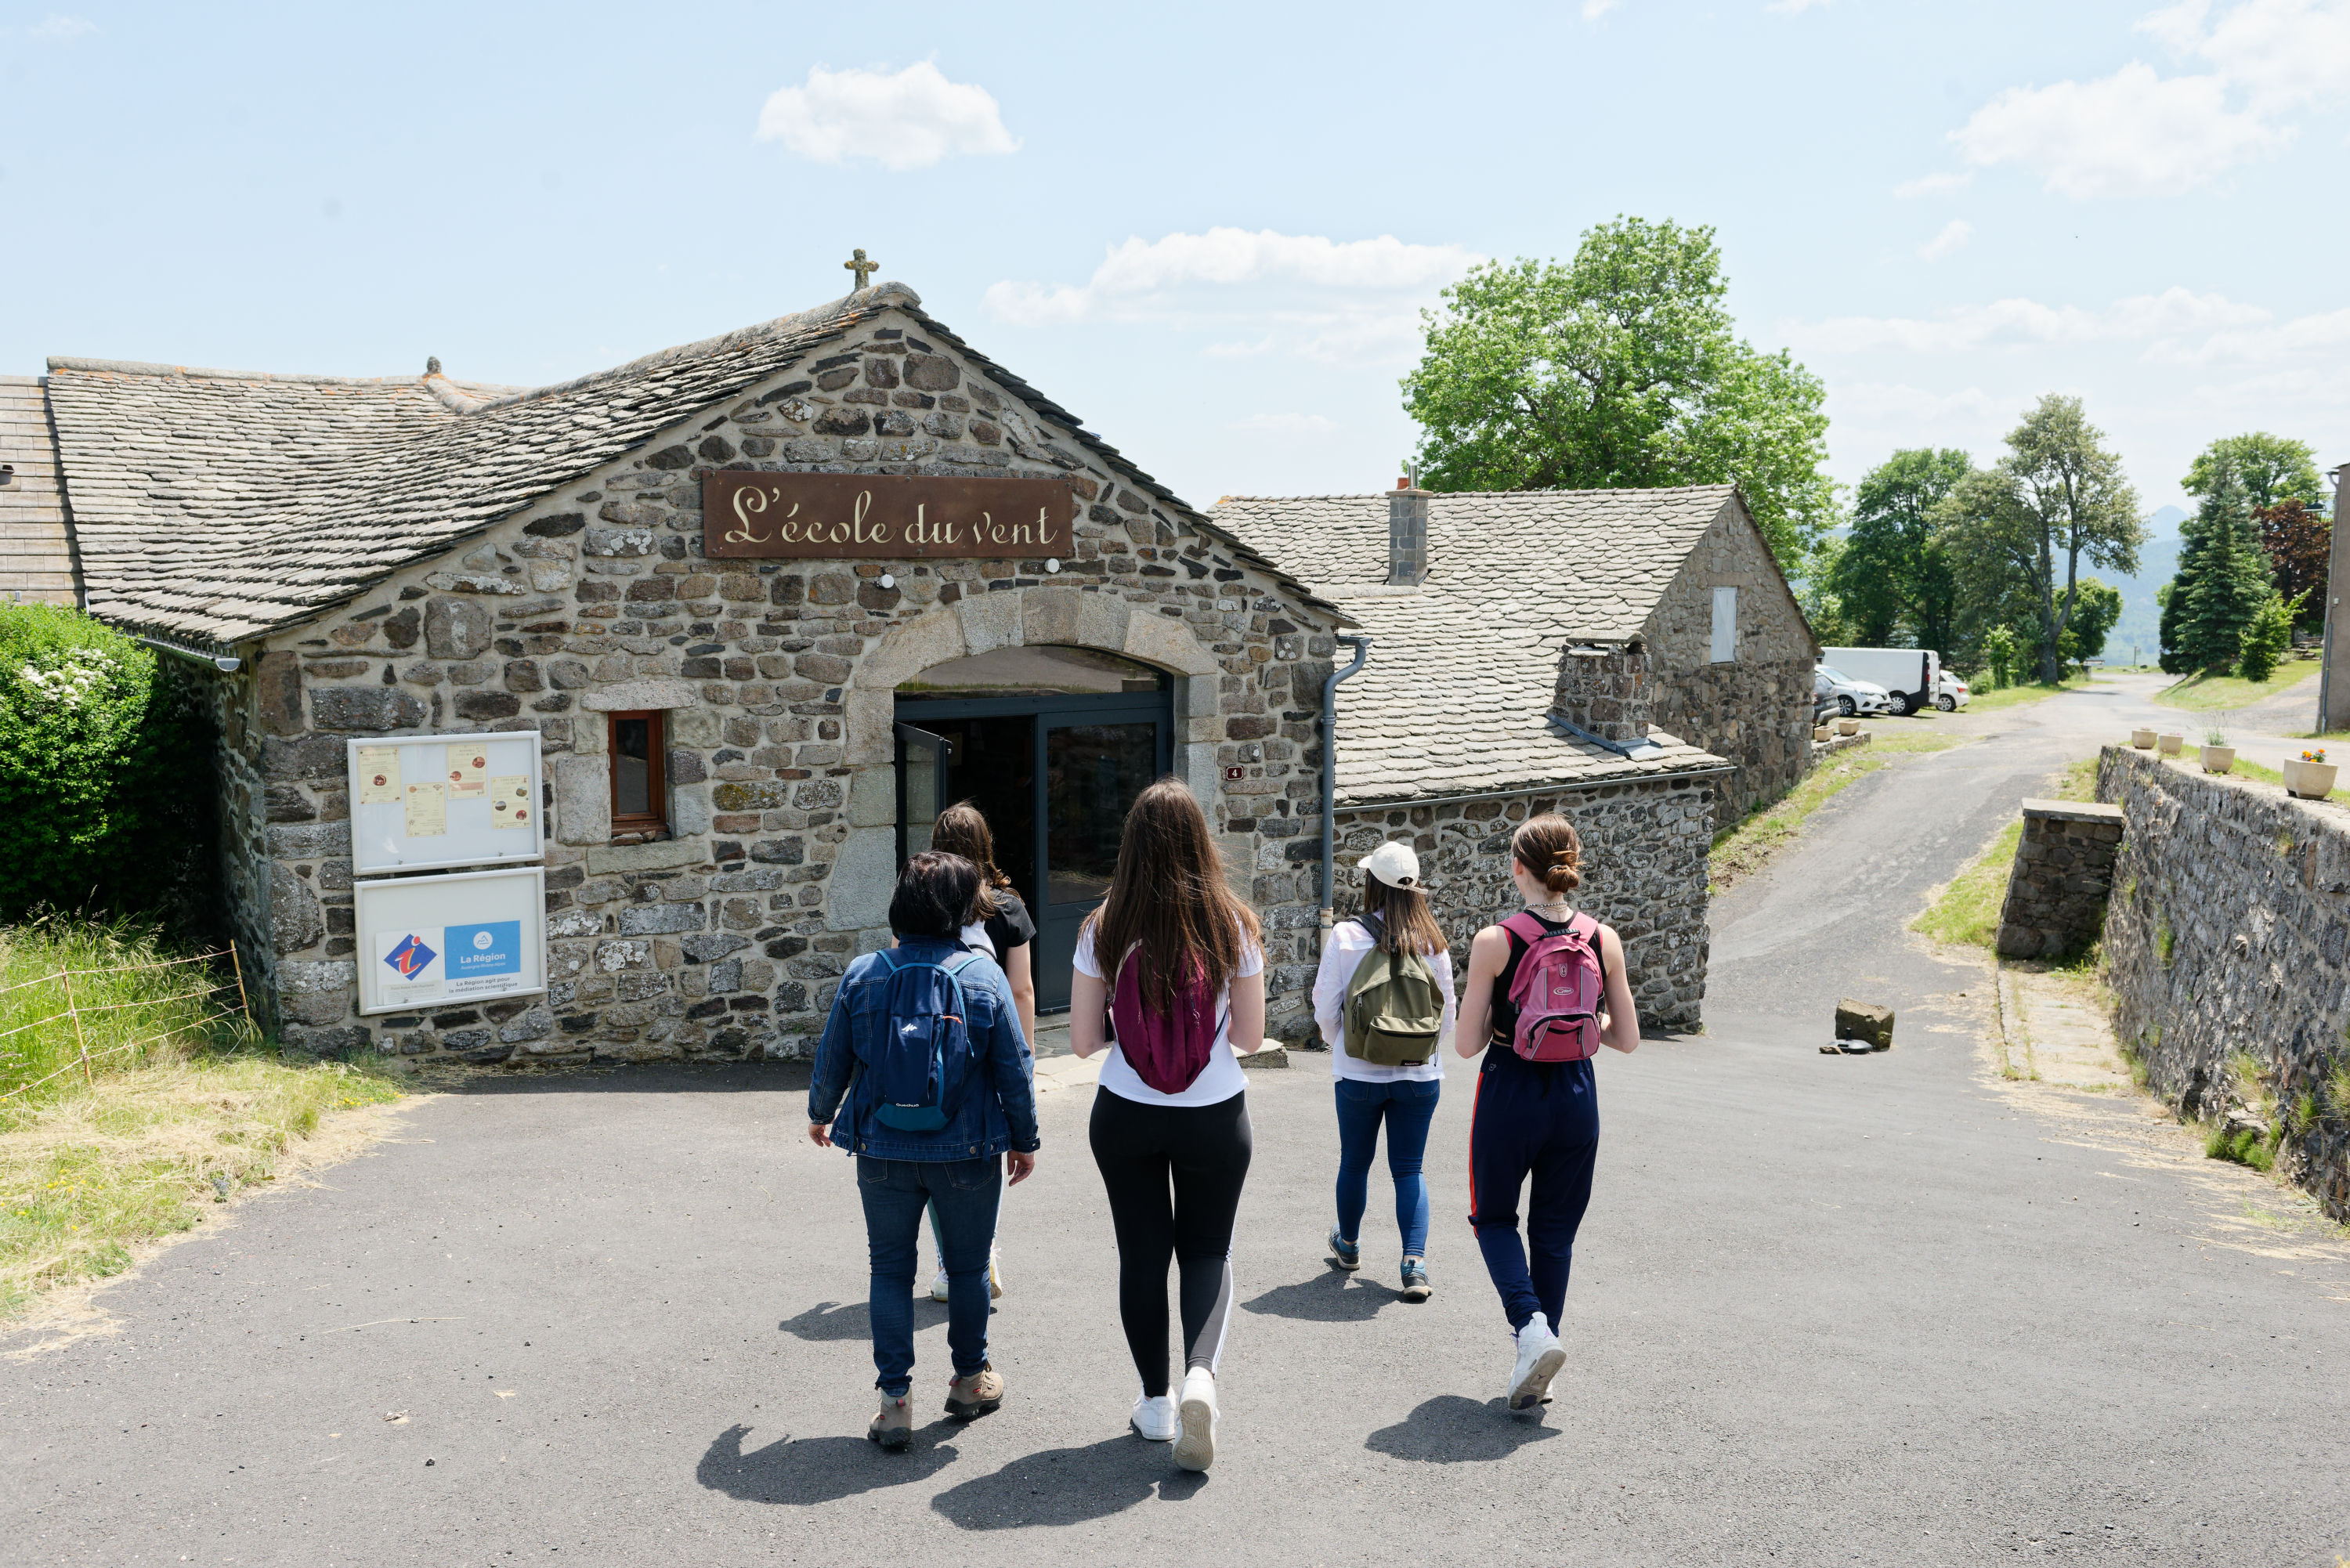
1394	864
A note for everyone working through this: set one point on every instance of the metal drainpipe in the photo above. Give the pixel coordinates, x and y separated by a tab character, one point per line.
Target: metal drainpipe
1362	647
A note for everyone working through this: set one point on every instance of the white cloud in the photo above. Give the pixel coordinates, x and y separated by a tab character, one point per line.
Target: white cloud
1345	301
1794	7
2138	133
909	120
57	29
1288	425
1595	9
2164	322
1955	232
1933	184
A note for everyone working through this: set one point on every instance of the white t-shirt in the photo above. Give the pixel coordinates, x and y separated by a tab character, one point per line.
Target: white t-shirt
1219	1081
1349	940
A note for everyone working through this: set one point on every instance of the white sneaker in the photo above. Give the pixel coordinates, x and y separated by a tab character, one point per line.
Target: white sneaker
1153	1419
994	1279
1539	1359
1195	1449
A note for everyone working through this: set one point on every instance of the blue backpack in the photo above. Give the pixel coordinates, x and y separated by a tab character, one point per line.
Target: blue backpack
920	1069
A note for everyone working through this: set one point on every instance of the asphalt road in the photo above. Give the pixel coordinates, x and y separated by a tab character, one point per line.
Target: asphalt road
1826	1310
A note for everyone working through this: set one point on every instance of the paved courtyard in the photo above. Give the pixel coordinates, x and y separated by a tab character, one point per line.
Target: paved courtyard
1826	1310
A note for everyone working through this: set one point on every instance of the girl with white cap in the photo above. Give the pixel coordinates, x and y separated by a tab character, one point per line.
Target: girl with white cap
1383	999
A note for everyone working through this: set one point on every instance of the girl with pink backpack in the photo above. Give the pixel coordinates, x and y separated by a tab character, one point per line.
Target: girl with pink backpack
1546	988
1174	960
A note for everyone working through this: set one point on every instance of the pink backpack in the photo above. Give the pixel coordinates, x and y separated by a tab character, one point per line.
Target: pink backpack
1556	989
1166	1050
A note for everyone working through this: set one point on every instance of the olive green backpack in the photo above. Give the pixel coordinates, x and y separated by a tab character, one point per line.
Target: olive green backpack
1393	1007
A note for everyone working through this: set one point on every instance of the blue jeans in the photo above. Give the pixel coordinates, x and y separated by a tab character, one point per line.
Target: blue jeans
1408	1105
962	1195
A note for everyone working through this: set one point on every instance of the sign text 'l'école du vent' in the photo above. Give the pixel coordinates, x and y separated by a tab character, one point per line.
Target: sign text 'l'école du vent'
850	516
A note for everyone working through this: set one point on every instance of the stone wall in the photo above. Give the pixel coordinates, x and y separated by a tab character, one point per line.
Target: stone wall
727	938
2229	931
1610	693
1644	873
1756	710
2056	889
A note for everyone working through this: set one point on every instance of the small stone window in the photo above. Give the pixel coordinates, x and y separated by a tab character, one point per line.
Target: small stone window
639	792
1725	626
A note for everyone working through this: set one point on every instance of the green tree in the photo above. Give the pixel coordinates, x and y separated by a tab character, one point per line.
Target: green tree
2025	524
2093	621
2270	468
1893	578
2266	637
1620	369
2223	579
2000	652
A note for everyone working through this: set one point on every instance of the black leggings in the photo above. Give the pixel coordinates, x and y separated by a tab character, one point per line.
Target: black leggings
1203	1151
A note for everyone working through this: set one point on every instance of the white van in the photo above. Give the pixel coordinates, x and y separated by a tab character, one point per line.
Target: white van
1910	676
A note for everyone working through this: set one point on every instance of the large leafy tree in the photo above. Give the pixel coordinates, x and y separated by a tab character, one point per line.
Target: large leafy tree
2299	544
2223	580
1892	578
2270	468
1620	368
2056	497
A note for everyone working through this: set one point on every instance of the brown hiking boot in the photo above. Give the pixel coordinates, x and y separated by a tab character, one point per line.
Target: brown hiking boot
893	1429
976	1395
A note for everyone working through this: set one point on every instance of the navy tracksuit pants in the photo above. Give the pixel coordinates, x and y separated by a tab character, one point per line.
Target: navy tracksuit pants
1538	1120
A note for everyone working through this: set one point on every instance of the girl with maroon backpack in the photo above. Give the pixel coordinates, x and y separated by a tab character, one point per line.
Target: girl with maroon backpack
1174	960
1546	988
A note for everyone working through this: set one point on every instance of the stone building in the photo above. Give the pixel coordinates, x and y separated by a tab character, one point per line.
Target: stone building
1632	657
738	747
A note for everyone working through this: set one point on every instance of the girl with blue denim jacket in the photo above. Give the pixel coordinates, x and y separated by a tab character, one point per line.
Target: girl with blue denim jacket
954	1171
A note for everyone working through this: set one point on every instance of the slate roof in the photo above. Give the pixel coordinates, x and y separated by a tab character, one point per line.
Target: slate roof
36	550
1455	698
221	505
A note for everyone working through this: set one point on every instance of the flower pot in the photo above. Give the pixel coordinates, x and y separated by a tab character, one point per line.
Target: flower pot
1820	731
1848	726
2171	744
2311	781
2219	759
2142	738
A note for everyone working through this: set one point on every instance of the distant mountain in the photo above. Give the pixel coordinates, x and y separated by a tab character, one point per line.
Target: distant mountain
2157	563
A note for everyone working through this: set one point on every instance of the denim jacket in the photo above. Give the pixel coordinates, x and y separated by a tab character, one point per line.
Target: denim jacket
987	1123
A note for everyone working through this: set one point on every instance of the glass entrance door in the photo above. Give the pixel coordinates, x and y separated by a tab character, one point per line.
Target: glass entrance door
1093	768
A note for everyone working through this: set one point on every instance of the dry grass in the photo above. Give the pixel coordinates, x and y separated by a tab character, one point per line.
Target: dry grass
1742	851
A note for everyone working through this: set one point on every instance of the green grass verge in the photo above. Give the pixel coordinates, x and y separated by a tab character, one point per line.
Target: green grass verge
1967	910
196	1108
2201	693
2017	696
1740	851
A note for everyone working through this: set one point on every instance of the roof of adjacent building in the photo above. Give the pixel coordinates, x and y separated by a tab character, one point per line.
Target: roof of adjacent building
222	506
1456	697
36	549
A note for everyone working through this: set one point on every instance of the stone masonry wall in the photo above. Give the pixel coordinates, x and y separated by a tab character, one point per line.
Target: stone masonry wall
1644	873
2229	931
2056	890
1755	711
727	939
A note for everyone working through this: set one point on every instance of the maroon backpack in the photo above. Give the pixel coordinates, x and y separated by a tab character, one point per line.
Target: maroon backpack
1556	989
1166	1050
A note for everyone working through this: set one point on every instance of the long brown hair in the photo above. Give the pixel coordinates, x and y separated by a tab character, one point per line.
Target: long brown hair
1547	846
1404	917
1168	895
961	829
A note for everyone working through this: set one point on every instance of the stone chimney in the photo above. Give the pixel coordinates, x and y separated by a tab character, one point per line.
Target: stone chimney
1608	692
1407	534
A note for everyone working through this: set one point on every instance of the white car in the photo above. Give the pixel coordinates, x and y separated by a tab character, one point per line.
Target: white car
1950	691
1832	688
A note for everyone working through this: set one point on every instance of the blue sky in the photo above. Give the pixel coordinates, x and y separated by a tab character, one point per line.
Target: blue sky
1208	229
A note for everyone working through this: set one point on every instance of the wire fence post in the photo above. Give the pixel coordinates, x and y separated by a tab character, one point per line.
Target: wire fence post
81	1042
244	1003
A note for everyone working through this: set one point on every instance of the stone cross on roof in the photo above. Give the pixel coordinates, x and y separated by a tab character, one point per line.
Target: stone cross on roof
863	269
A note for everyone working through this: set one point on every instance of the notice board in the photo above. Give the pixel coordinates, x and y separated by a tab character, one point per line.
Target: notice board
439	941
420	802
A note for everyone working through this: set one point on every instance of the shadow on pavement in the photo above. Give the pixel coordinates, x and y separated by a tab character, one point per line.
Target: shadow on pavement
1455	1429
632	1078
1068	1486
830	1321
815	1469
1333	1297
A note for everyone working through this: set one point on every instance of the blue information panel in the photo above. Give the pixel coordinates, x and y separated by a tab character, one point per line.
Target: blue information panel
468	937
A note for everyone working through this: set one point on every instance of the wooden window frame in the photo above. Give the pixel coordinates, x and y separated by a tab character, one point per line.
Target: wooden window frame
637	828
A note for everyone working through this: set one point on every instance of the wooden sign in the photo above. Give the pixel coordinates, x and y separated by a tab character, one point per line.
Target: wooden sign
869	517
